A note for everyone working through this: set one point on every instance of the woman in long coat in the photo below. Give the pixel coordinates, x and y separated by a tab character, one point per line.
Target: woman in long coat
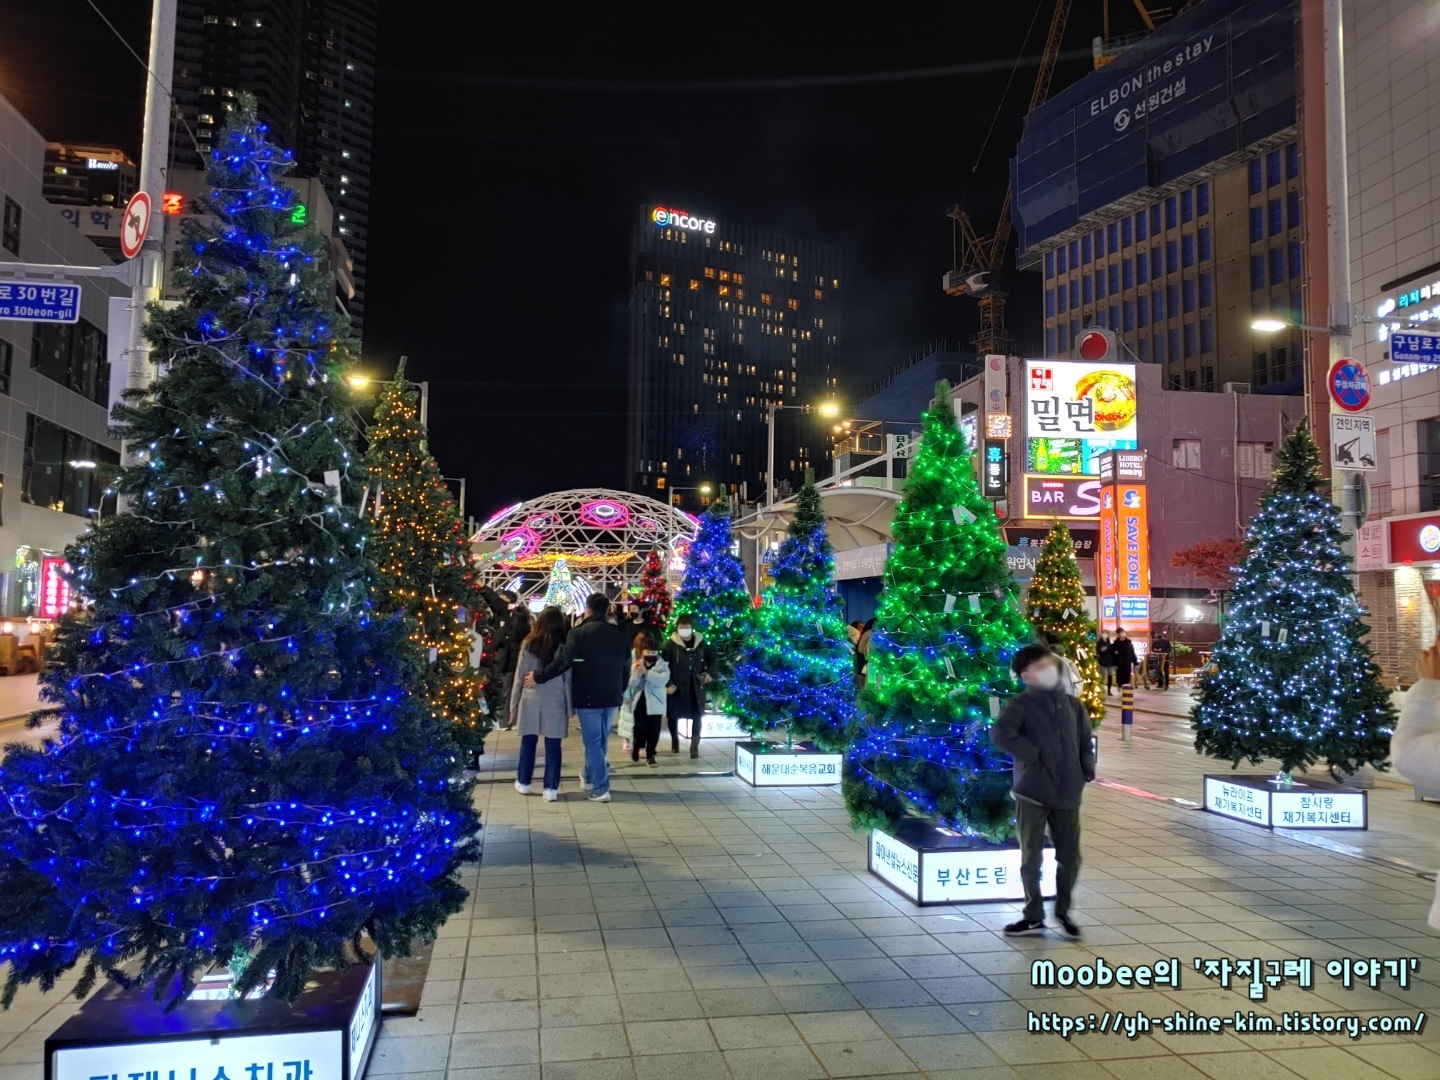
541	711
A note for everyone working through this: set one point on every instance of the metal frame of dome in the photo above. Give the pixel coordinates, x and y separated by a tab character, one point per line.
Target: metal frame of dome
604	536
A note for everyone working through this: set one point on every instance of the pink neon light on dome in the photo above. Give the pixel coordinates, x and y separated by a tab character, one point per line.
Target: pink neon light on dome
605	514
519	544
500	515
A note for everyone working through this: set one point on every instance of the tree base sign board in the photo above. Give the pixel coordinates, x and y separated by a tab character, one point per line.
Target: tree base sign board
763	764
931	864
325	1034
1271	804
714	726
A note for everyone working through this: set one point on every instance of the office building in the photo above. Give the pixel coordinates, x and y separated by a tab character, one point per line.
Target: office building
726	322
55	447
1163	197
77	174
311	66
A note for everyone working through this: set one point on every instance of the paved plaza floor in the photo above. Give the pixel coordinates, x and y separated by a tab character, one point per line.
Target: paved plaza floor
698	929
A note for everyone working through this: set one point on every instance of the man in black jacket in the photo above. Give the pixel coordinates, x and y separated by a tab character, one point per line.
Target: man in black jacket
1047	732
510	623
597	655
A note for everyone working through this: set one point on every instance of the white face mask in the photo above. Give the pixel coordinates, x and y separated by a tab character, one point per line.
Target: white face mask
686	632
1043	677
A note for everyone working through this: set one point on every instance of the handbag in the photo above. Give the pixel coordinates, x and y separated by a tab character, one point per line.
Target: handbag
626	723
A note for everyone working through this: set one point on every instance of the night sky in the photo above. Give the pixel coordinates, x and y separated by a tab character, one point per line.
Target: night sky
515	143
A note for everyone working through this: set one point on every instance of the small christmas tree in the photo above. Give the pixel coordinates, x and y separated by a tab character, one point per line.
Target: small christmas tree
560	592
1056	607
241	775
795	671
654	591
947	627
422	559
1292	675
713	593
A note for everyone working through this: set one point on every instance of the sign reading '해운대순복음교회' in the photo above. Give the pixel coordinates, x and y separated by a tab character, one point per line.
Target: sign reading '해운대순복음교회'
1209	83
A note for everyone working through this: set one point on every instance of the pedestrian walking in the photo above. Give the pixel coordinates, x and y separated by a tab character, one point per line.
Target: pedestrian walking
647	697
597	655
1047	733
1122	652
509	627
1415	746
693	665
1105	655
540	711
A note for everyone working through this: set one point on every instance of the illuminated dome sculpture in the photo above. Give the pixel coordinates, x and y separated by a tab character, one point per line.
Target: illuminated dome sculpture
599	538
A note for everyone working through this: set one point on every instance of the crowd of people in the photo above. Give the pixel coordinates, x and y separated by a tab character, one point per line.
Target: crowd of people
611	672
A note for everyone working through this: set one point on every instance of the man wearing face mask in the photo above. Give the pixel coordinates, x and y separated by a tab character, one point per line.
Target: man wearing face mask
1047	733
693	664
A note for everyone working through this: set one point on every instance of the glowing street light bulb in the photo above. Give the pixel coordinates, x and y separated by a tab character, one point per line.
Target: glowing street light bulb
1268	326
830	408
359	381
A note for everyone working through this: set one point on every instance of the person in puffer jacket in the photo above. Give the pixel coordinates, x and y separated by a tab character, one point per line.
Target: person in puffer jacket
1415	746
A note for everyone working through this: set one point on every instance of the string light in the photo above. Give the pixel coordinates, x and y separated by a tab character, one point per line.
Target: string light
1055	605
713	594
939	658
1293	677
795	674
242	774
422	560
655	603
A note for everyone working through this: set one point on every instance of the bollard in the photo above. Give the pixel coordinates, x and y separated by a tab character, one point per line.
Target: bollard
1127	711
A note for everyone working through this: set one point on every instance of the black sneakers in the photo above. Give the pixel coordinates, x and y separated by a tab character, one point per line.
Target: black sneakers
1068	928
1025	928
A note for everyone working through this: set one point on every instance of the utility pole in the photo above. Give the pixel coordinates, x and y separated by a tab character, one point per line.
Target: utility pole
154	152
1337	210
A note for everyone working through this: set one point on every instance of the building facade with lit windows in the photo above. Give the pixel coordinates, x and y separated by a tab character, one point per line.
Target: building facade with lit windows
83	174
727	320
1162	197
311	66
56	450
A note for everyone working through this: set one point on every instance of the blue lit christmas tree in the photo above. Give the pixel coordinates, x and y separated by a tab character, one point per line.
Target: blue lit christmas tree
713	593
939	659
242	775
795	673
1292	677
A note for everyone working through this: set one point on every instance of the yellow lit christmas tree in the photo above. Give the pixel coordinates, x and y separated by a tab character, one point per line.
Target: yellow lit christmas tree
1056	606
421	553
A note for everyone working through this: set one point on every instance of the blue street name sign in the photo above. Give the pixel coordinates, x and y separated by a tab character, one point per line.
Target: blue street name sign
1409	348
34	301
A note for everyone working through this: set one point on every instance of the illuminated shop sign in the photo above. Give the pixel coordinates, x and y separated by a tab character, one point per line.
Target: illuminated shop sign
1413	304
1074	412
1415	539
96	165
681	219
1065	497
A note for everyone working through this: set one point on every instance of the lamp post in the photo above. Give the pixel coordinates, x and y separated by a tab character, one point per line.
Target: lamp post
703	489
827	409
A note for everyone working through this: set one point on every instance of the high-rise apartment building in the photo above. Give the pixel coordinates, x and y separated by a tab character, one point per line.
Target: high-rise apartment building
82	174
311	66
1162	197
726	321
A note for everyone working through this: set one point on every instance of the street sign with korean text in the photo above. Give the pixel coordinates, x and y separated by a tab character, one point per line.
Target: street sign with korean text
1407	348
35	301
1349	384
1352	441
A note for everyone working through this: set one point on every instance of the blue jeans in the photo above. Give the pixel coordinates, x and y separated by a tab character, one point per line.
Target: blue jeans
595	733
526	772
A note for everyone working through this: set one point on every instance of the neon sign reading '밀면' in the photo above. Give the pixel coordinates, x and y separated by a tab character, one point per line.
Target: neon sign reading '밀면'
682	220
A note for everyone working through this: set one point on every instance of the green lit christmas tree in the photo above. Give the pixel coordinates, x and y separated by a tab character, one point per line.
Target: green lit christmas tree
939	659
796	675
245	772
1056	607
1293	678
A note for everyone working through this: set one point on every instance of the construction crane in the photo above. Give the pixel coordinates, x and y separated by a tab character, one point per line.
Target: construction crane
979	261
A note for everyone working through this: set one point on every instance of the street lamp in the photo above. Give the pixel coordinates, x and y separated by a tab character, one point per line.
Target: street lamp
828	409
359	382
703	489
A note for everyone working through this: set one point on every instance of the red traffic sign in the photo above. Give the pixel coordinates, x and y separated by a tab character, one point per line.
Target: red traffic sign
1349	384
134	224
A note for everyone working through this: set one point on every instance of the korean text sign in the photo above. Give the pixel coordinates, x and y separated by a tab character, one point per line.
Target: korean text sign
1074	412
54	589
